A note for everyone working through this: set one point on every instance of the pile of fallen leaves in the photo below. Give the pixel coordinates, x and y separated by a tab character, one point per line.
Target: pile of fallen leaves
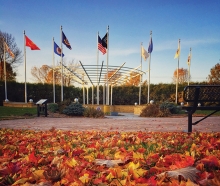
77	158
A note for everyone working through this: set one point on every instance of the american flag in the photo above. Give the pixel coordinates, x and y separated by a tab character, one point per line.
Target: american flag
100	46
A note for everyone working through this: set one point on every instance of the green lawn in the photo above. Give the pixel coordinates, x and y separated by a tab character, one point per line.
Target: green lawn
17	111
23	111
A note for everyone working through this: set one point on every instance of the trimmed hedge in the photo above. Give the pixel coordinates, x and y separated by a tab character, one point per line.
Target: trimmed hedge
122	95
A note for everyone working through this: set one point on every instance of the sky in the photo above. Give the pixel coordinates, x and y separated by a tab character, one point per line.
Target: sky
196	23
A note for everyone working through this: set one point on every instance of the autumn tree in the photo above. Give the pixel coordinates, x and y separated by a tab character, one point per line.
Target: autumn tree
11	63
113	75
182	75
133	79
44	74
214	77
10	74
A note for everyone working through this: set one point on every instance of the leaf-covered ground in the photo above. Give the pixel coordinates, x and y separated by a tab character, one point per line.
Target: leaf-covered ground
77	158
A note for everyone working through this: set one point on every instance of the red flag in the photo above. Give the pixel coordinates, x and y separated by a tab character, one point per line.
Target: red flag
30	44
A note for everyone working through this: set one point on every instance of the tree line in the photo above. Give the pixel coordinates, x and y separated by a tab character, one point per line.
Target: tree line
122	95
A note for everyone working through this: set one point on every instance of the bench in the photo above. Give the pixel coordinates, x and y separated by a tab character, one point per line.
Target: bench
196	96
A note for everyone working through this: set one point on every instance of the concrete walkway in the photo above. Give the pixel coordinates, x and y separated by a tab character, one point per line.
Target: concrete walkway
124	122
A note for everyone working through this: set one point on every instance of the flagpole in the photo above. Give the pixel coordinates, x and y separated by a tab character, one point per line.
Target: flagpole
140	78
54	99
97	100
61	65
189	63
177	76
107	87
83	91
148	94
6	99
25	83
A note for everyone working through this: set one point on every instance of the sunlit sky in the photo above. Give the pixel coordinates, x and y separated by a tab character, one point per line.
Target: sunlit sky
195	22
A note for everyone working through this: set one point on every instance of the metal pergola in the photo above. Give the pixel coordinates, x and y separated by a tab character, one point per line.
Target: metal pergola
96	75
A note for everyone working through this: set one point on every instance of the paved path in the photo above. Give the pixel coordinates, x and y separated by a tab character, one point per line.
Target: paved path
127	122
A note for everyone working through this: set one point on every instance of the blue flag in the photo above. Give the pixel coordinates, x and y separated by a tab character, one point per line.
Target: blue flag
65	41
150	47
57	50
104	41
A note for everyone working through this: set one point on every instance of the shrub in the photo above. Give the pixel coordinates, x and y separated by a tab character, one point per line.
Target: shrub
74	109
52	107
151	110
164	113
63	104
93	113
172	107
154	110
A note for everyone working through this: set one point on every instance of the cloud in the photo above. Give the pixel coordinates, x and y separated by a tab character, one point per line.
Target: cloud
172	45
124	52
115	52
197	42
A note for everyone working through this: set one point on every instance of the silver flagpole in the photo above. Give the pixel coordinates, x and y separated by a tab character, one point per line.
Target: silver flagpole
25	83
83	91
140	78
61	65
104	94
97	70
148	94
107	86
111	92
92	94
54	99
6	99
177	76
189	63
87	91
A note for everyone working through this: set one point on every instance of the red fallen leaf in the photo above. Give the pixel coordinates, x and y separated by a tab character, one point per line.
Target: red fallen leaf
93	145
151	181
97	181
122	149
141	180
141	150
154	170
5	159
13	167
33	158
89	172
210	161
204	175
77	152
175	161
4	171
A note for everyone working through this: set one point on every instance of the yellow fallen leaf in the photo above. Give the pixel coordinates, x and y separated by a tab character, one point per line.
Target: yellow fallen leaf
138	173
90	157
110	176
84	178
138	155
72	162
38	174
20	181
133	166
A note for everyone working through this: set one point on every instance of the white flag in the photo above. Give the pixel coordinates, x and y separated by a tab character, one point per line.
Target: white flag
9	50
144	53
